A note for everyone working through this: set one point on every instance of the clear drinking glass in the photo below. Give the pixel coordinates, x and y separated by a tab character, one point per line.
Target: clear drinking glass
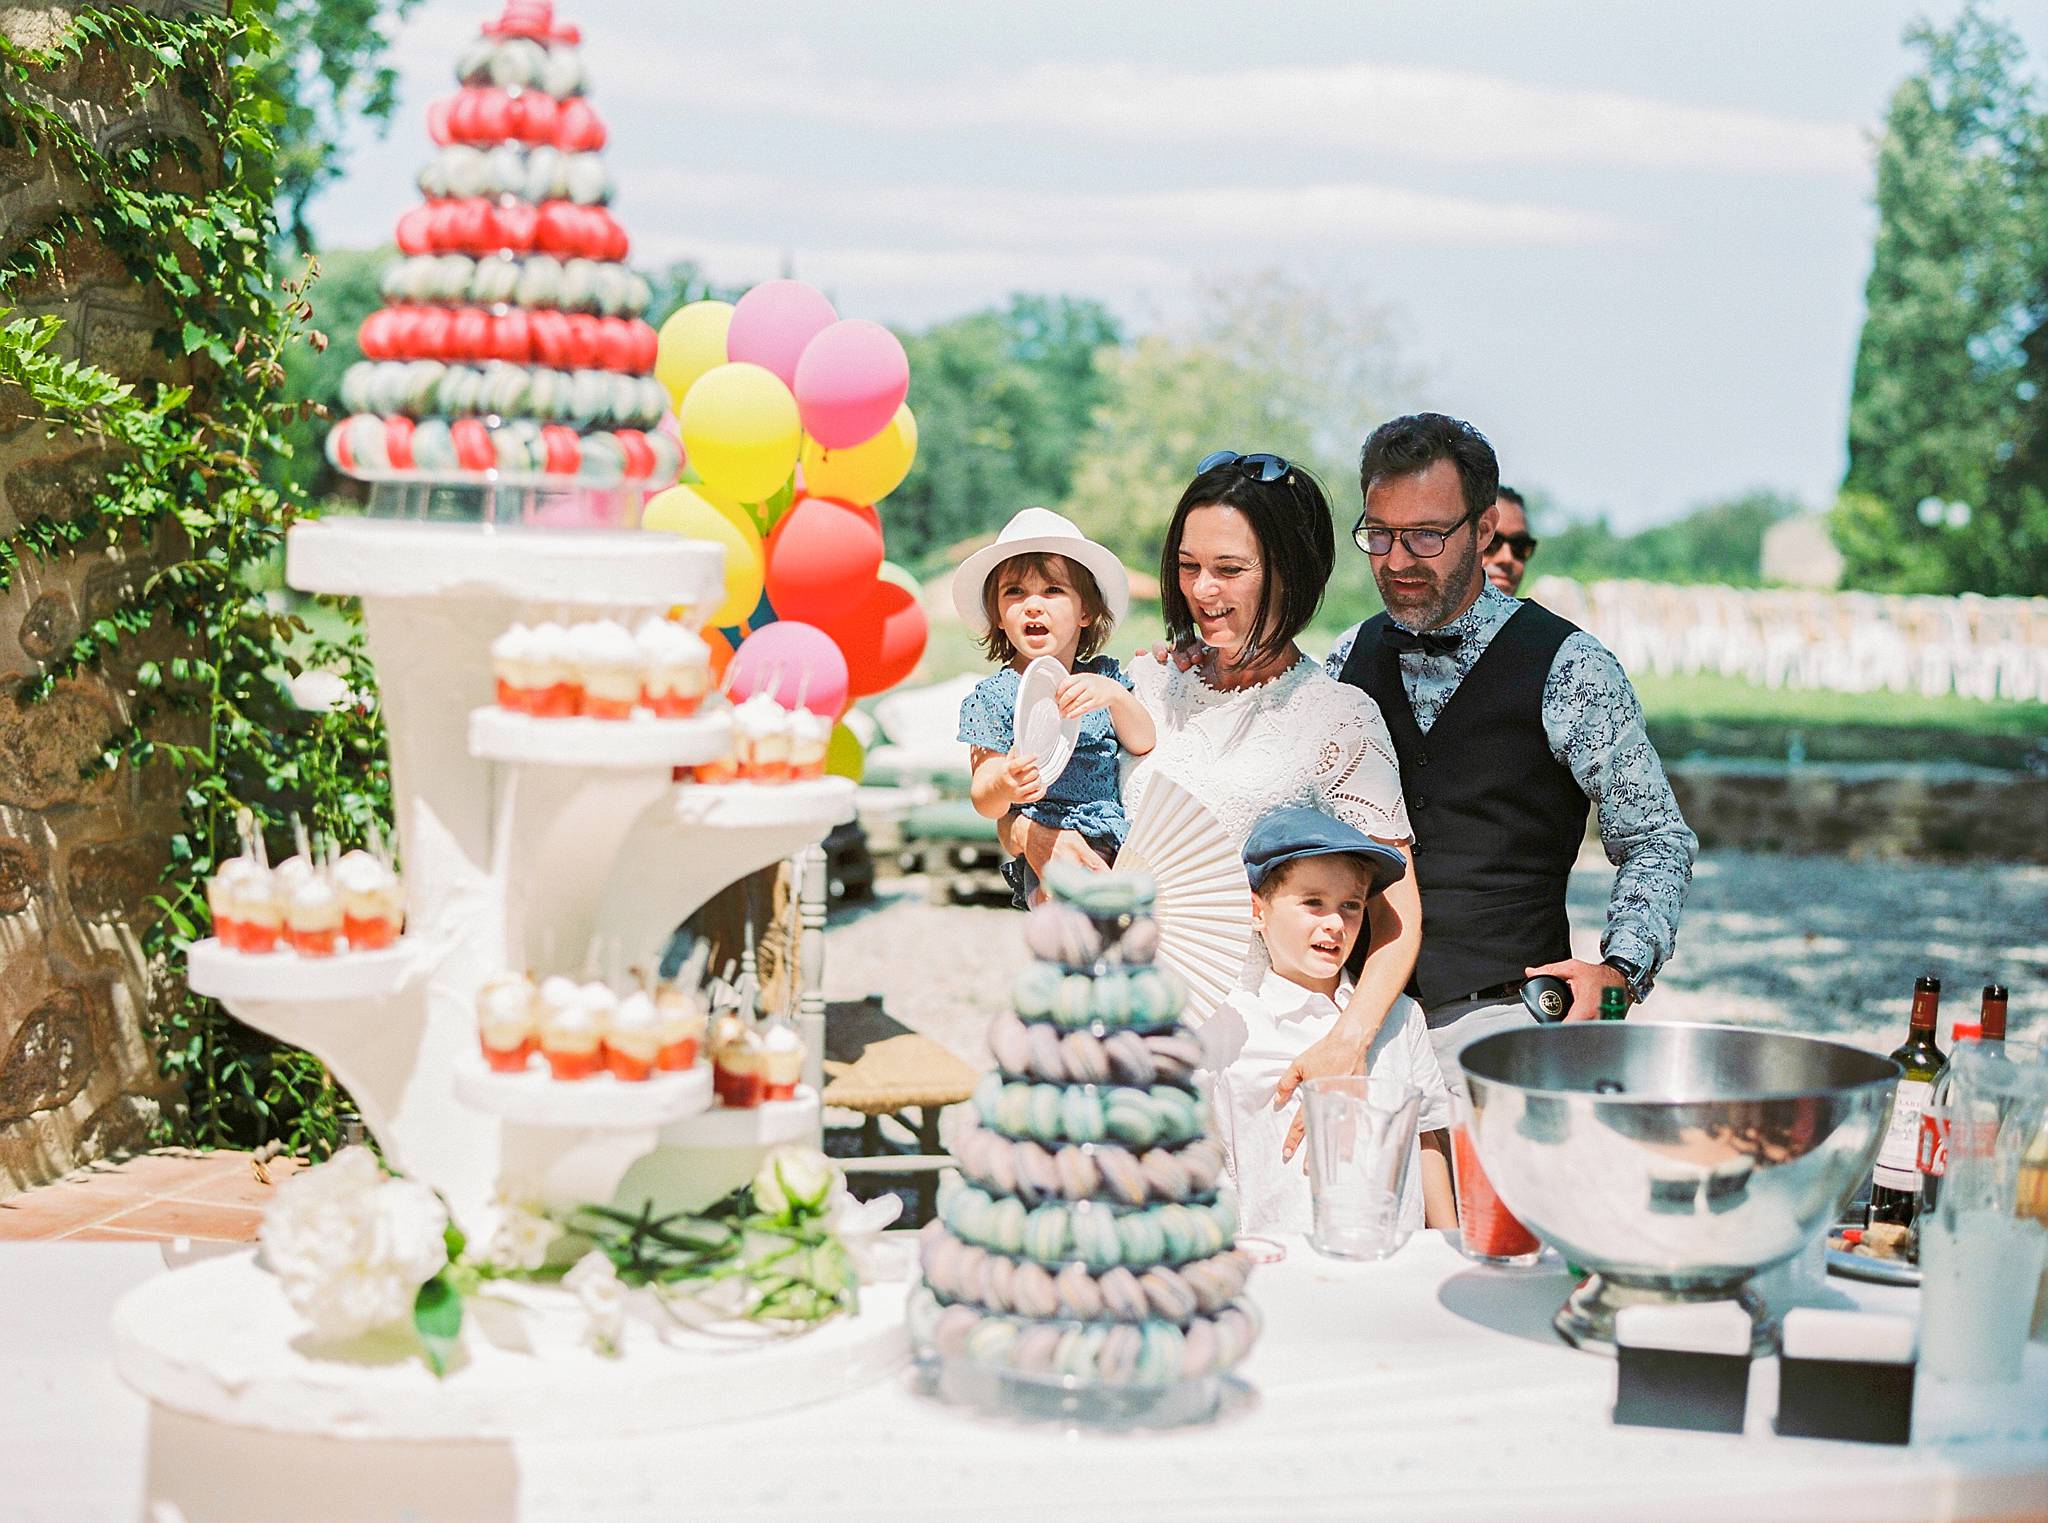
1984	1246
1361	1136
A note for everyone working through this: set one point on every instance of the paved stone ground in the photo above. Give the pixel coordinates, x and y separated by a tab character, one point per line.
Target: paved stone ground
1815	944
162	1196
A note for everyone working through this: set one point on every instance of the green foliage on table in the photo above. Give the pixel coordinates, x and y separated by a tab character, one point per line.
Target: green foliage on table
213	719
1950	400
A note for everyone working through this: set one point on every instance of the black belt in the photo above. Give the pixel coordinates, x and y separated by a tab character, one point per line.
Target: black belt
1510	989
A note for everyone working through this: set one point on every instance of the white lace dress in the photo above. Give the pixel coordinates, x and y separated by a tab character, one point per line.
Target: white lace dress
1303	738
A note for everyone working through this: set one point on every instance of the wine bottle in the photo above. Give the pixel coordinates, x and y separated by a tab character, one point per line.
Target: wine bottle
1933	1158
1895	1184
1613	1003
1992	1016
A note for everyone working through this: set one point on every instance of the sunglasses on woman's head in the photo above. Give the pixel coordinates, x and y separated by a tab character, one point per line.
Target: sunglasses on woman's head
1258	467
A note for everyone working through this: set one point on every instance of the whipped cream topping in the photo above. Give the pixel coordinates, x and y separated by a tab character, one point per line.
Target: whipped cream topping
667	643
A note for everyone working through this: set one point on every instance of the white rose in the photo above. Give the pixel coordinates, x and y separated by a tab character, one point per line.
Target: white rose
521	1240
595	1284
351	1247
792	1180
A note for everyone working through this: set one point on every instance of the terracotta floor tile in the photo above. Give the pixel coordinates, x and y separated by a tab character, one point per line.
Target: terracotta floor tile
167	1172
239	1186
55	1209
182	1218
110	1235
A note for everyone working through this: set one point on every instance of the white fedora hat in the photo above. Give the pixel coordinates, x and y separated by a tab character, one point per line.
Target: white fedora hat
1039	531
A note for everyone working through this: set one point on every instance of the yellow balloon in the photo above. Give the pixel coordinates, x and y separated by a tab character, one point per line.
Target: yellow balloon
692	341
845	756
741	431
866	472
688	512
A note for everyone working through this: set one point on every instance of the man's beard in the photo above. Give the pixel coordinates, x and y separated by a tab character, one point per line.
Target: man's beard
1442	603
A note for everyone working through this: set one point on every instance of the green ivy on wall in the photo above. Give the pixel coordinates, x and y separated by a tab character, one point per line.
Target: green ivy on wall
215	718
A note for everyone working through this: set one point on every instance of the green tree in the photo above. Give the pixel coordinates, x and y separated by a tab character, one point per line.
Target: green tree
1269	363
326	72
1950	398
1005	401
1716	542
343	293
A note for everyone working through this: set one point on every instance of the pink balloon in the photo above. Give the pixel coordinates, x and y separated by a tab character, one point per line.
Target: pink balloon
849	383
773	324
793	657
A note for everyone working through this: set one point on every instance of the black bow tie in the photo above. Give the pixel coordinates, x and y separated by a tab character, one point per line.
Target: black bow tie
1430	642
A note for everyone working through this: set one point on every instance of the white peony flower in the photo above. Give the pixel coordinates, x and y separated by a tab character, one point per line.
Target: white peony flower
522	1238
859	1225
595	1283
350	1246
795	1179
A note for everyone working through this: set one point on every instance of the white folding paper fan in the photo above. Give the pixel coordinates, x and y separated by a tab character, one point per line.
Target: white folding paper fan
1204	900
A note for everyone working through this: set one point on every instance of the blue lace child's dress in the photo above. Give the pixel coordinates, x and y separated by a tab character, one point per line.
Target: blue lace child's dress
1084	797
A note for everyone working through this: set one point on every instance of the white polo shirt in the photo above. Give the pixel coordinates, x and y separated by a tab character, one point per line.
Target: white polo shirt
1248	1043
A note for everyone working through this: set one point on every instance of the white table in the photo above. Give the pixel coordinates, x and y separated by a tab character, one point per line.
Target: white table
1420	1387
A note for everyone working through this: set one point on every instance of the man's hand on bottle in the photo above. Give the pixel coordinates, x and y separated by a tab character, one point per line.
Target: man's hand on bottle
1587	980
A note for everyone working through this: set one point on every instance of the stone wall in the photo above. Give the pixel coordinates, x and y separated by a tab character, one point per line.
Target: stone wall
1937	813
79	855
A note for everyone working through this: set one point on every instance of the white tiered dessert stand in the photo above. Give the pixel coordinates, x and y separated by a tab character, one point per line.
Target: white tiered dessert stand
522	841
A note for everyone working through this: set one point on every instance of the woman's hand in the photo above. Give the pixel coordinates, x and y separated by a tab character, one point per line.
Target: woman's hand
1341	1052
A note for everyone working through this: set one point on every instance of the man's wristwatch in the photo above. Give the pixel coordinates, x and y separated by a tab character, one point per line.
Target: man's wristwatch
1638	985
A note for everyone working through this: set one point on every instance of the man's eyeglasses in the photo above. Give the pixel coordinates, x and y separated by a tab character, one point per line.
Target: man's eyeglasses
1524	545
1423	544
1258	467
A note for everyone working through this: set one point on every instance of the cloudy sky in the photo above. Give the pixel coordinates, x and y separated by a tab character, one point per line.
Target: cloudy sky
1628	239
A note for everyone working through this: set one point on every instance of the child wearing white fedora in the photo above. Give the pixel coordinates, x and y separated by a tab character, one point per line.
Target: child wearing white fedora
1045	589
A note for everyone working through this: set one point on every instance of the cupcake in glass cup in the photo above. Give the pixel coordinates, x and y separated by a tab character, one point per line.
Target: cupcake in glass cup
372	902
682	1023
612	666
632	1040
312	918
505	1025
760	728
572	1027
782	1062
738	1074
521	685
678	672
555	689
809	737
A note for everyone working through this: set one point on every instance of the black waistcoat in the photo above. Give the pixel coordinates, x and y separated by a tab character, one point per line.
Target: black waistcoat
1498	820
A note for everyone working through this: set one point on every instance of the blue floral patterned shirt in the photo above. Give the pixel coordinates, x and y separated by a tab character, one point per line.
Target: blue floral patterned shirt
1084	796
1595	728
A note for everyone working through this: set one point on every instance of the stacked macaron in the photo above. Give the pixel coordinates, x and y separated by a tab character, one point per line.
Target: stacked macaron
1089	1236
513	341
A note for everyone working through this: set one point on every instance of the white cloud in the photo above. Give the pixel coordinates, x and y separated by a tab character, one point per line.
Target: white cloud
1249	219
1380	112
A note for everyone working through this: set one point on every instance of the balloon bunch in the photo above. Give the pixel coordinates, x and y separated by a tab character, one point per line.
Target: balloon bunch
511	340
795	423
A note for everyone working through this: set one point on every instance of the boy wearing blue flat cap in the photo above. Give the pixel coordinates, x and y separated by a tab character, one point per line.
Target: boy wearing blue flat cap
1311	877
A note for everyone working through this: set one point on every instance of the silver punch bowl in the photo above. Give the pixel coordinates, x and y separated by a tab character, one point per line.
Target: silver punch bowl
1673	1161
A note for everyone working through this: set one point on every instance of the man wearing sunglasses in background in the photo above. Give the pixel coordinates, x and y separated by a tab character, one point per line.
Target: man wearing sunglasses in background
1507	721
1507	553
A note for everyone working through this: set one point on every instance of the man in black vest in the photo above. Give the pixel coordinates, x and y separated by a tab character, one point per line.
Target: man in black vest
1507	720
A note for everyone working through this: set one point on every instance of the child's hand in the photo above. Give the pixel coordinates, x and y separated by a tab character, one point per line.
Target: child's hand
1022	779
1085	692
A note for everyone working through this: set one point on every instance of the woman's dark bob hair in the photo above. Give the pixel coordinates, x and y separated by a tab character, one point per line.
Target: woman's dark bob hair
1290	518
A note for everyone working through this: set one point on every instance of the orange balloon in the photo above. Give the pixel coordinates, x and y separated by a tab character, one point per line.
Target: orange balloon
882	637
721	653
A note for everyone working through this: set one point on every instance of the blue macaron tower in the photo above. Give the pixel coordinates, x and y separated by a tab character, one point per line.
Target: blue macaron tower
1083	1263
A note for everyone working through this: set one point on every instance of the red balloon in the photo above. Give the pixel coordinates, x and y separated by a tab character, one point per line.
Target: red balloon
439	128
518	225
415	230
564	449
537	113
639	454
882	637
550	337
398	441
472	444
431	337
822	560
512	337
470	333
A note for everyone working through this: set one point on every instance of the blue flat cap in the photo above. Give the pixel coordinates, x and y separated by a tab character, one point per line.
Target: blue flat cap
1289	834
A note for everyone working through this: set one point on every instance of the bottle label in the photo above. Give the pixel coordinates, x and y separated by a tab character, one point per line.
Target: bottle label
1898	1160
1933	1159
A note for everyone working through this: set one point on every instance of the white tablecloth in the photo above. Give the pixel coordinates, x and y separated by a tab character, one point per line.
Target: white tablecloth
1419	1387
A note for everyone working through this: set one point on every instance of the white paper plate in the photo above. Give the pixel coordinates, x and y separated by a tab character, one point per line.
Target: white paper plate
1038	729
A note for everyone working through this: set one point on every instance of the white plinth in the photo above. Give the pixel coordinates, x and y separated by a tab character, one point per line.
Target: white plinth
274	977
818	803
500	735
219	1341
605	568
767	1125
599	1103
